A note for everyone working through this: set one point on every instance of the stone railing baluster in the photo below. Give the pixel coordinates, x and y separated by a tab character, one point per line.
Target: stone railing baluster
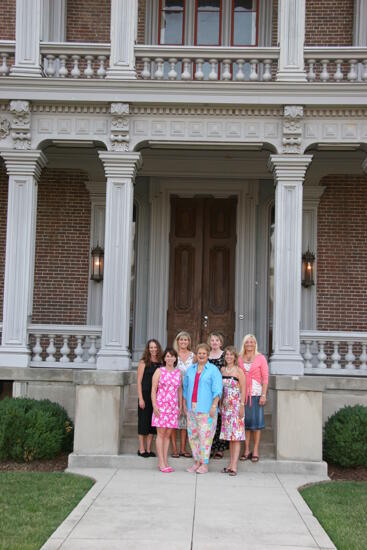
307	354
50	68
186	66
267	70
352	75
364	70
213	74
145	73
172	73
199	73
75	71
37	350
254	75
226	73
63	71
78	350
338	75
92	352
89	71
101	71
65	349
350	357
324	75
159	72
321	356
4	69
336	356
311	75
51	349
363	358
240	75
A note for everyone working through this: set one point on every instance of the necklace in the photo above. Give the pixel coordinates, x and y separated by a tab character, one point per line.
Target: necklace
228	369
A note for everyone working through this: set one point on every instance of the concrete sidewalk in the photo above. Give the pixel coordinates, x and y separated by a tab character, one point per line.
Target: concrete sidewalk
145	509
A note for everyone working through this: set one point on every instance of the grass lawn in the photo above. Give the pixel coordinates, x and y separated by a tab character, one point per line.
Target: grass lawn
341	508
33	504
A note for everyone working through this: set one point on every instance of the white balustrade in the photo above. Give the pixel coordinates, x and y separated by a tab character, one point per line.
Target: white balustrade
74	60
64	346
7	52
205	63
338	64
339	353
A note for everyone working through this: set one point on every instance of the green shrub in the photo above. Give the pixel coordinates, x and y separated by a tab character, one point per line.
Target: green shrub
345	437
31	429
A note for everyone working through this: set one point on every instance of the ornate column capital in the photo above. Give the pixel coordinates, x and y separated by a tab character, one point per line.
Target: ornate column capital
289	167
120	164
24	162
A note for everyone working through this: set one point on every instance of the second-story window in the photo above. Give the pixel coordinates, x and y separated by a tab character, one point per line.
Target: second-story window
208	22
171	21
244	22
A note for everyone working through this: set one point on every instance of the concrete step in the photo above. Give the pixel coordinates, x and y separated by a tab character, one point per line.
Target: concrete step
129	445
130	462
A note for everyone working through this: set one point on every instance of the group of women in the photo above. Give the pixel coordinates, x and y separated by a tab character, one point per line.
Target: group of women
214	397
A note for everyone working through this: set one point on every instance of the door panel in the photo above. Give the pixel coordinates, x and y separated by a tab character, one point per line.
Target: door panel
202	256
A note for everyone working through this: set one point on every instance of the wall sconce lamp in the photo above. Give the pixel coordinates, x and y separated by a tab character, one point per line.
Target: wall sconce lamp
308	260
97	264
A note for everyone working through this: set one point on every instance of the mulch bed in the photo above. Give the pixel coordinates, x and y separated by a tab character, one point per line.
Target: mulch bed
55	465
347	474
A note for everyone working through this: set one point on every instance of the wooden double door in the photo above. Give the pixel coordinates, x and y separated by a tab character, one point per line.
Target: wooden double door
202	268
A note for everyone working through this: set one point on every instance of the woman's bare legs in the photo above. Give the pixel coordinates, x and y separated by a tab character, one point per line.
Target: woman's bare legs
160	447
149	442
234	450
173	437
257	436
141	443
166	441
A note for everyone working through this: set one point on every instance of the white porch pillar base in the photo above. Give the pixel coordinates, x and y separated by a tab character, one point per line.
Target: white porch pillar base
124	18
292	15
24	169
289	172
120	170
27	44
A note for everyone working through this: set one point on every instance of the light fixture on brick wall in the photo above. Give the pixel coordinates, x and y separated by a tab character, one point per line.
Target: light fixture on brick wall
308	261
97	264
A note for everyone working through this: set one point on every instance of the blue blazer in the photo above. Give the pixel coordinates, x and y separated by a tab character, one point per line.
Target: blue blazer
210	386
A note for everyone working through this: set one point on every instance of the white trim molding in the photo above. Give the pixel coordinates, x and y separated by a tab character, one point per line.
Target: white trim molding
120	169
289	172
24	169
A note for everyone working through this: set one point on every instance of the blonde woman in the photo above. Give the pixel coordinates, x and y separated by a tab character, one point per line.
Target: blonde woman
232	408
256	370
202	389
186	357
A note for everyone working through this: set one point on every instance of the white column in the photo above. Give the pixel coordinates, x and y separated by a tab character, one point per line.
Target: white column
27	38
53	21
360	23
120	170
124	20
24	169
289	172
292	15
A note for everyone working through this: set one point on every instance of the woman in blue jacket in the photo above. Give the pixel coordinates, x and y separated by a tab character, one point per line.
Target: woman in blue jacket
202	389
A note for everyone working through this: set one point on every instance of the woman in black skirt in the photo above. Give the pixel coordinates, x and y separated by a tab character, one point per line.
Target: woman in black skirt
149	363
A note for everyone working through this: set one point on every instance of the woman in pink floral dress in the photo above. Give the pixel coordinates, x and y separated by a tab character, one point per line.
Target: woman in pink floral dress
232	408
167	405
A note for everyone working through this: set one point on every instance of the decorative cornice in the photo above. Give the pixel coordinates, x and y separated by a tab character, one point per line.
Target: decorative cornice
120	126
212	111
292	129
21	124
334	113
66	108
4	127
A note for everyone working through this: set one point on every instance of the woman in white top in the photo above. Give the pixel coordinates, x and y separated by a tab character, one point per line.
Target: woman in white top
182	344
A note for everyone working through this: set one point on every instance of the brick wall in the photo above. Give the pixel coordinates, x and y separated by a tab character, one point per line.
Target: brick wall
3	211
329	23
141	22
7	20
342	254
62	248
88	20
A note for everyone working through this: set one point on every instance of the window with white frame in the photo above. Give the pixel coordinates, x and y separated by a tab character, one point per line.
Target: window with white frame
208	22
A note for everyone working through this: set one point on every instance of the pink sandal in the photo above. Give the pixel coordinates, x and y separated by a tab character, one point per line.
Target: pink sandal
166	470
